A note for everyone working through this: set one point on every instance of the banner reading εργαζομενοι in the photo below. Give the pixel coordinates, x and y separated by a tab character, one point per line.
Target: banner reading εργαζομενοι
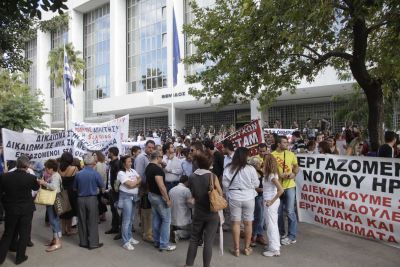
357	195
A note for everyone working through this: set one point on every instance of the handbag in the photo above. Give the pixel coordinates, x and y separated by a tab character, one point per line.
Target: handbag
61	203
217	202
45	197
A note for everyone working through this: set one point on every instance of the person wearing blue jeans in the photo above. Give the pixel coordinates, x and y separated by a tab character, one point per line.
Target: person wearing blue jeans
160	203
128	195
287	203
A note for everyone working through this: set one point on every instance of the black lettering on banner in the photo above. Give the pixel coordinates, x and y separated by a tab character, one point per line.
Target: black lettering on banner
345	180
376	184
320	178
319	162
351	166
393	184
342	163
386	166
310	161
370	167
330	165
301	161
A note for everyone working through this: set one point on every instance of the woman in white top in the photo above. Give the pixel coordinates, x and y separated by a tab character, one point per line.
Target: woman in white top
272	190
129	181
53	183
239	182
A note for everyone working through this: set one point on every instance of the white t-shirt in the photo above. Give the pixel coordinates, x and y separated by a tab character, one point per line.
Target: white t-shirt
269	188
130	175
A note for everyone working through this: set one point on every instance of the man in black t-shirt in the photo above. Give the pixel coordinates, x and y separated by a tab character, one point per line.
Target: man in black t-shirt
160	203
387	150
112	175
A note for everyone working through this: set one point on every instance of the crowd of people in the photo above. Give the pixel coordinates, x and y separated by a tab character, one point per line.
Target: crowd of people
166	189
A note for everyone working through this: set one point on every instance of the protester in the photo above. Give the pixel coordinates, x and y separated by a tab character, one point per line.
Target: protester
324	148
298	143
272	190
16	191
113	192
128	196
101	168
258	223
204	220
196	148
173	166
262	150
355	147
53	183
160	203
387	150
228	150
67	173
86	183
135	151
240	180
288	169
141	163
217	157
181	213
332	145
187	165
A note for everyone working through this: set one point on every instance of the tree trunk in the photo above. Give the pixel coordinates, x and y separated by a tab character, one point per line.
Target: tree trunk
375	115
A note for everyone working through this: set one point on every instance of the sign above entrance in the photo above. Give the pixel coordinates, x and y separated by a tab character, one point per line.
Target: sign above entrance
178	94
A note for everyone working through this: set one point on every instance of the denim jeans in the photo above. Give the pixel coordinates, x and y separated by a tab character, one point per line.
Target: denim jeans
161	220
258	223
288	202
54	221
127	203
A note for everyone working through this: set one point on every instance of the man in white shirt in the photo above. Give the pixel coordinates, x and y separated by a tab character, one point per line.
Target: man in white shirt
173	166
181	214
228	150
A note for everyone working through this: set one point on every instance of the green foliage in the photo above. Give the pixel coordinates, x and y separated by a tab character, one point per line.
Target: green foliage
20	108
261	49
54	23
355	109
18	19
56	64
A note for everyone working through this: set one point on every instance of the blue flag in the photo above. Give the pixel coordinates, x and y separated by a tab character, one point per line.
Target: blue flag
176	51
67	79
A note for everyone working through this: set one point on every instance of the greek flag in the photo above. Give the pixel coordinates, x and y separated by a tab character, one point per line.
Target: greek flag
67	79
176	51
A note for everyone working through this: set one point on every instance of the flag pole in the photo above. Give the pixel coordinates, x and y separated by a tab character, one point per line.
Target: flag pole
65	96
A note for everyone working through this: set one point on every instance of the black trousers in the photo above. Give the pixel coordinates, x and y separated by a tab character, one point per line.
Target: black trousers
115	218
205	226
20	224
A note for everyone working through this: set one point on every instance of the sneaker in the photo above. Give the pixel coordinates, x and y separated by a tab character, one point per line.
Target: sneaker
269	253
128	246
168	248
287	241
283	236
133	241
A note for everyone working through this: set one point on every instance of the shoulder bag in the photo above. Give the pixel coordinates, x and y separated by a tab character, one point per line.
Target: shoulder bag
217	202
45	197
61	203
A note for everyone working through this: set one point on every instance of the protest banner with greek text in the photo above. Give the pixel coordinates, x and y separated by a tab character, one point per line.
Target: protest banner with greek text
357	195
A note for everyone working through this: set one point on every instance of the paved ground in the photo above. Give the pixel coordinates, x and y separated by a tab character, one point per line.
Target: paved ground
315	247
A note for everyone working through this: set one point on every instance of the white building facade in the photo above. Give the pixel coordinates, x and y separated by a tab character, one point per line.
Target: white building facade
127	46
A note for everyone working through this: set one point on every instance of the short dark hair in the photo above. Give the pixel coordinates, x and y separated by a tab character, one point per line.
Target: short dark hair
296	134
202	161
185	152
51	164
183	179
135	149
166	147
390	136
122	161
262	145
150	142
198	145
209	144
22	162
280	138
113	150
228	144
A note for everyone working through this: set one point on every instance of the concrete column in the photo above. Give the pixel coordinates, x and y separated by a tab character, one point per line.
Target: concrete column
75	36
118	51
43	72
179	119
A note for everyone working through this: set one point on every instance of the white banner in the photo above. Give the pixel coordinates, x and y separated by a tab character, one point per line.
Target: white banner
90	133
285	132
40	147
357	195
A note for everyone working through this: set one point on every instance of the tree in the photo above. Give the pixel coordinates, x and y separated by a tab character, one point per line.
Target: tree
18	19
261	48
20	108
56	64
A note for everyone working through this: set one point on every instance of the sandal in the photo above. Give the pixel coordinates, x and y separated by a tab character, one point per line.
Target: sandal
53	248
50	243
235	252
248	251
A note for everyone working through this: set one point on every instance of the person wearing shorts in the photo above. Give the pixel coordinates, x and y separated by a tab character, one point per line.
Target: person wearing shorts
240	181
